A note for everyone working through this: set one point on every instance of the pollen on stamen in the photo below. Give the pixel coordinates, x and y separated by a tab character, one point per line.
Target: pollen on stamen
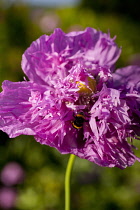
88	89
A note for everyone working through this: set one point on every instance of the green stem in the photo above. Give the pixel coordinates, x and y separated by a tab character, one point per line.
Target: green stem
67	181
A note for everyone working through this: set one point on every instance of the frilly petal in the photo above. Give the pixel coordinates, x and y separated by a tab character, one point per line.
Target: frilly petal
56	54
127	78
14	105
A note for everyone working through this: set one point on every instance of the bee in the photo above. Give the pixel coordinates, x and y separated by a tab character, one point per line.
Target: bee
78	121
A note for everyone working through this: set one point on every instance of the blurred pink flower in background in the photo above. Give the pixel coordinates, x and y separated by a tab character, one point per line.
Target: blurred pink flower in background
7	197
12	174
49	21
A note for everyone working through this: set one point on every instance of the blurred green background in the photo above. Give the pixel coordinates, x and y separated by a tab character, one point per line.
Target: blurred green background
42	188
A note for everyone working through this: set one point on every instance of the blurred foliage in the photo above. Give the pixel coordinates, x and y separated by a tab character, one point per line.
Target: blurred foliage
17	32
128	8
125	29
92	187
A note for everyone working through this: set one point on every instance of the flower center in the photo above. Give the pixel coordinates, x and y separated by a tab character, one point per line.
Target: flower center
87	89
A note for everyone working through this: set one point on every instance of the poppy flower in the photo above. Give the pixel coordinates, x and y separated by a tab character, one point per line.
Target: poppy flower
73	101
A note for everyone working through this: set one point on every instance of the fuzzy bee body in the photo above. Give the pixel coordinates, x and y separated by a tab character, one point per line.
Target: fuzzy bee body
79	120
